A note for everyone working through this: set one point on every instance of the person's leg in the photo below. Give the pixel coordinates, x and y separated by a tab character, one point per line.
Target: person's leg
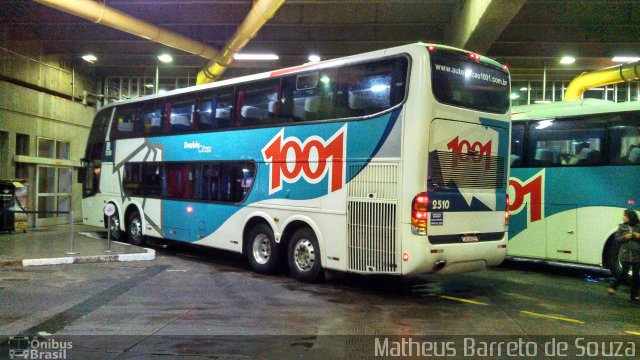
617	281
635	280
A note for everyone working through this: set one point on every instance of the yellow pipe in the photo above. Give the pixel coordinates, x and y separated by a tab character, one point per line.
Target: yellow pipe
261	12
612	75
99	13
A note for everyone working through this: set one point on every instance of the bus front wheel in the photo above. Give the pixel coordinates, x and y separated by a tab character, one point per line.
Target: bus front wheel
304	256
134	229
261	249
114	226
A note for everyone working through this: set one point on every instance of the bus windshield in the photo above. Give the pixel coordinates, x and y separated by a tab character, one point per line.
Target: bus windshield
461	82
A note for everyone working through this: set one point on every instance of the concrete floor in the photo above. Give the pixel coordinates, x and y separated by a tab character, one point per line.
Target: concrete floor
161	309
54	243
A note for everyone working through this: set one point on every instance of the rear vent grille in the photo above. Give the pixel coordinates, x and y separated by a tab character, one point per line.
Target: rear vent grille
371	217
459	170
372	236
375	181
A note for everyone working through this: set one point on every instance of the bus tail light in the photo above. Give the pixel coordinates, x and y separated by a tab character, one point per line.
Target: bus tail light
506	213
419	214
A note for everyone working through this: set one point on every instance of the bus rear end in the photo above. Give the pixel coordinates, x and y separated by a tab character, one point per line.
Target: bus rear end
459	217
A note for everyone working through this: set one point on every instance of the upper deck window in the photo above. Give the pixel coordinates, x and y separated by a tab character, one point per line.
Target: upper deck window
460	82
369	88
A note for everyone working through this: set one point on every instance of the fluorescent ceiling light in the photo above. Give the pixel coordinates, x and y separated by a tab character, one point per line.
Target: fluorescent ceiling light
90	58
542	102
314	58
165	58
567	60
149	86
514	96
523	89
625	59
256	57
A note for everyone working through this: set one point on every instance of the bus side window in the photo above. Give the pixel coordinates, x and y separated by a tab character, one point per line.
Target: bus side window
227	181
517	145
214	110
180	116
209	182
258	103
152	175
571	142
624	140
152	118
366	89
132	179
309	96
125	122
179	181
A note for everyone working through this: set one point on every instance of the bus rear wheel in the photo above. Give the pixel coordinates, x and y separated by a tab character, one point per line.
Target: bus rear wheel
261	249
304	256
134	229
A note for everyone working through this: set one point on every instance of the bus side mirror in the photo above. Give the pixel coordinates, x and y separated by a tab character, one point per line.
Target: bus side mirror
82	175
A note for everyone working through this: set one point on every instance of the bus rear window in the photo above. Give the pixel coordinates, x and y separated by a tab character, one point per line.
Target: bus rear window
464	83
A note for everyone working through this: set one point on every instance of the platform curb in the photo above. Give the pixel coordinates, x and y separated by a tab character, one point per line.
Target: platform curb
149	255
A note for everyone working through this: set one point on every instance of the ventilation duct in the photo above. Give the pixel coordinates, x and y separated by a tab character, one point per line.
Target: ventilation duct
99	13
261	12
612	75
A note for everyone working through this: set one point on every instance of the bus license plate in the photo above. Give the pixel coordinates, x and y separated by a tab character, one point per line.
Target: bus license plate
469	238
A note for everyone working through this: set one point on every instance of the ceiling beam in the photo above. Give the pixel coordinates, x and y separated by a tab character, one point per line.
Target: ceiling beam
478	23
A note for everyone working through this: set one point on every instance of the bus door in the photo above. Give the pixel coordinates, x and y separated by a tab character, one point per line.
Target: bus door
562	232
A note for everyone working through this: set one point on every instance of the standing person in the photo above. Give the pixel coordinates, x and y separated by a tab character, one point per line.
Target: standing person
628	236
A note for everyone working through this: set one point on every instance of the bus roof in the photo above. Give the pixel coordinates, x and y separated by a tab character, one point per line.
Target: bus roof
304	67
570	108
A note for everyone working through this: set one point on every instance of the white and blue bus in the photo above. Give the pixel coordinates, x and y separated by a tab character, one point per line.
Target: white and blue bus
393	161
575	166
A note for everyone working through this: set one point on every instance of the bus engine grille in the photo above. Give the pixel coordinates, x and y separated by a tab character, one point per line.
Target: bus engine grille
448	169
371	218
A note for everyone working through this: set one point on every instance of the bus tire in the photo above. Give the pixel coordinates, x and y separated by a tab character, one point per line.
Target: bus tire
262	249
612	253
304	256
114	226
134	229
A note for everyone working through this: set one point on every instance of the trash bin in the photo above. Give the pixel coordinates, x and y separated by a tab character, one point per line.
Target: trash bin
13	193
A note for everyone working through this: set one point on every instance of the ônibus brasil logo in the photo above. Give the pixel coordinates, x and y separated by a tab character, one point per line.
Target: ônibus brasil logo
530	193
290	159
476	151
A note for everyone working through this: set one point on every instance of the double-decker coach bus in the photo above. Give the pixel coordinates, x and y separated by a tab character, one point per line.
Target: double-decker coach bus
575	168
393	161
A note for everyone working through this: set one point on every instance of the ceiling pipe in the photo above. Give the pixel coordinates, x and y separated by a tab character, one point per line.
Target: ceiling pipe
99	13
608	76
261	12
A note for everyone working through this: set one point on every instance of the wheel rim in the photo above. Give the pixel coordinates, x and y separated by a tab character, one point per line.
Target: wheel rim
135	229
304	255
114	226
261	249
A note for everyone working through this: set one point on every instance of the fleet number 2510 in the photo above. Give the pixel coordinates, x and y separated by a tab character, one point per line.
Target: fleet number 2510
440	204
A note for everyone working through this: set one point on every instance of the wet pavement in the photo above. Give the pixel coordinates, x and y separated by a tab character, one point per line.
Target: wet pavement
52	245
193	303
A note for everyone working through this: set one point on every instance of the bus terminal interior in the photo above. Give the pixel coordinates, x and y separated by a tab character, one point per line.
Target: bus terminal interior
267	179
